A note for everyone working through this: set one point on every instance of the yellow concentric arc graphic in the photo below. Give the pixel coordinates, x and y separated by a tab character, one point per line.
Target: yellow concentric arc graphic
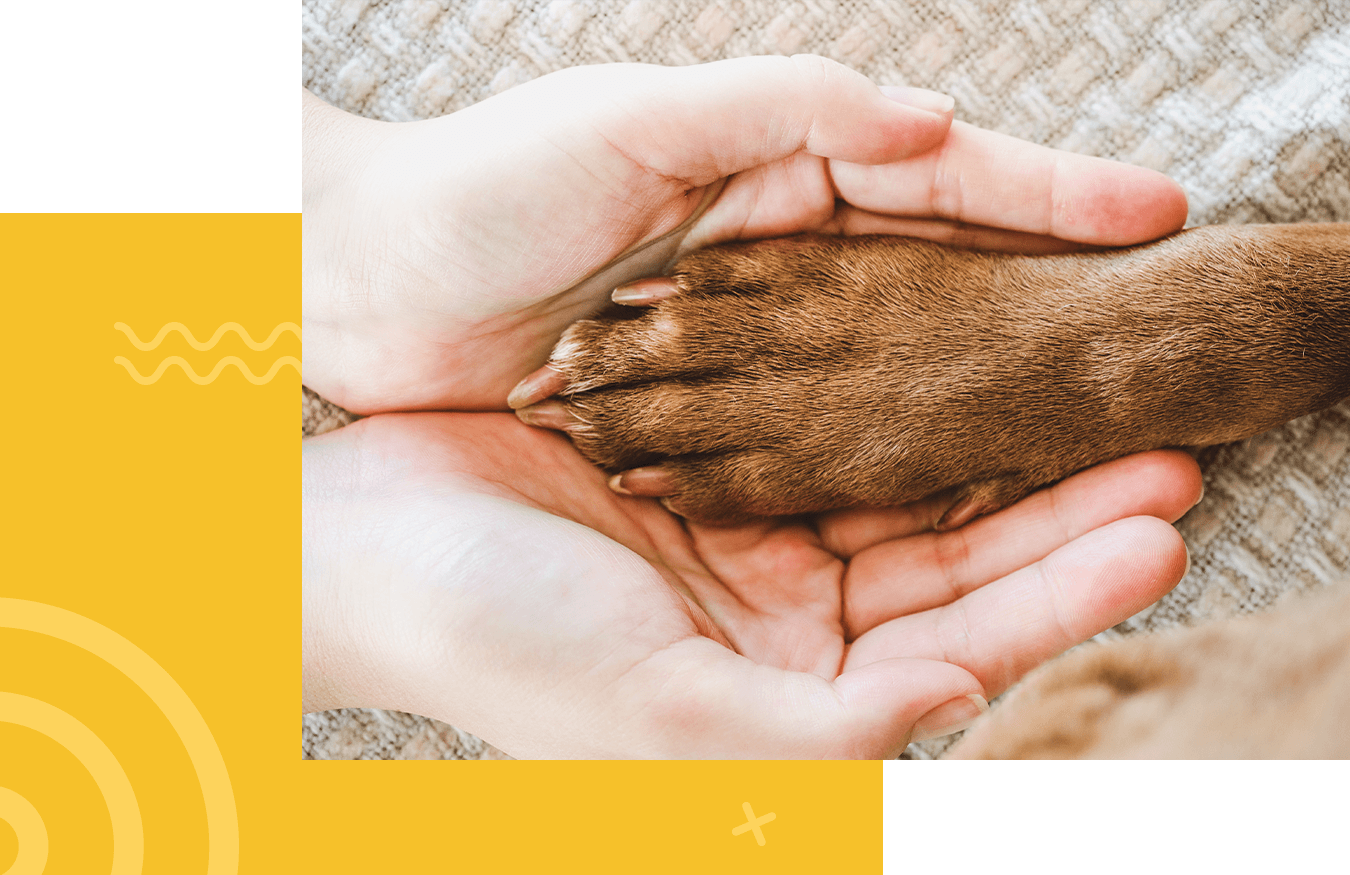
93	754
20	814
222	820
199	345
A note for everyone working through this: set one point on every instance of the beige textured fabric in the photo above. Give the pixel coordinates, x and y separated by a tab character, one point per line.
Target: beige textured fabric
1247	104
368	734
318	415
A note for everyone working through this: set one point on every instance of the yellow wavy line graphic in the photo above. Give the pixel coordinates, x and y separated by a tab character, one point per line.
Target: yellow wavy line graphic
215	372
215	338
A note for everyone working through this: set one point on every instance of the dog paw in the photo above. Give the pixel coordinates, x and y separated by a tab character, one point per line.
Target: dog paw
765	379
810	373
1273	685
1085	702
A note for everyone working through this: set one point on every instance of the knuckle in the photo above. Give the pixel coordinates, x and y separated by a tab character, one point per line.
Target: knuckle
820	72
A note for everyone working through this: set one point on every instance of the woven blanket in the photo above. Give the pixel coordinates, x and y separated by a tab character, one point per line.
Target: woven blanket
1246	104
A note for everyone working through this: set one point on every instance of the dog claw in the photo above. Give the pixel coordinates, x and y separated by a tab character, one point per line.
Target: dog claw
549	414
652	482
543	383
643	292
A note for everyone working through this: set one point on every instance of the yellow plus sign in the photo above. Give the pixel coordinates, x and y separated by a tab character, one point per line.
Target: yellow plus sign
753	823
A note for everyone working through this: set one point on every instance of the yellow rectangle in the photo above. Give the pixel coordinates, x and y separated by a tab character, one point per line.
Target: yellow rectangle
165	512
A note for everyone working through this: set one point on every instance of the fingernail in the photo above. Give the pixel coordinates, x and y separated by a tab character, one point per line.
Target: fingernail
1188	561
640	293
949	717
543	383
652	482
920	98
550	414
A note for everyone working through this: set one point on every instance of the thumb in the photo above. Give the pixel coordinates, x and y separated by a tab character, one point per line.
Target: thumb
895	701
704	122
737	708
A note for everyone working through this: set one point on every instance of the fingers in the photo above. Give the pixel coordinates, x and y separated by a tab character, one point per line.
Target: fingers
949	717
1157	483
845	533
912	574
985	178
719	704
708	121
851	221
766	108
1002	630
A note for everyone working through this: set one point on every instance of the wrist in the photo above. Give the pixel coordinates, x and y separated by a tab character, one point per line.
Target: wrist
338	150
342	609
336	147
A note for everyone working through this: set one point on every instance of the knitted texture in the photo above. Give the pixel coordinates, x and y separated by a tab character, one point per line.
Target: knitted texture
1246	104
368	734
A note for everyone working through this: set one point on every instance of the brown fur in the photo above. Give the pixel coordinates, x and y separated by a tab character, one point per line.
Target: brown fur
810	373
1270	686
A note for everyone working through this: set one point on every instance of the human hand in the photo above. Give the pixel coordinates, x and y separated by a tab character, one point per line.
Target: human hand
467	567
443	258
